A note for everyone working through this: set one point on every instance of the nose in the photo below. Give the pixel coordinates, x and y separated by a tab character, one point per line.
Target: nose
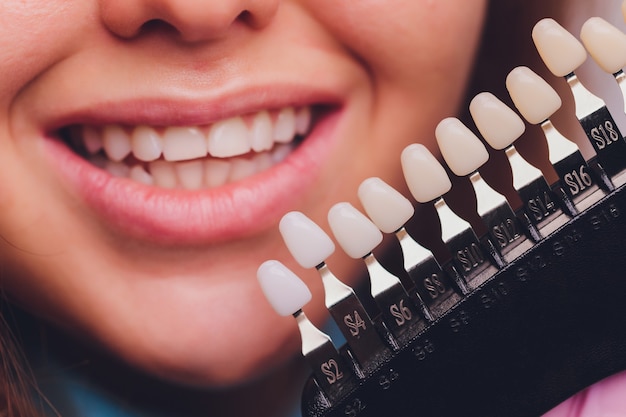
194	20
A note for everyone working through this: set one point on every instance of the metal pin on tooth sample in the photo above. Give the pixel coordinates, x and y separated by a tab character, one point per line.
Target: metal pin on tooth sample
465	154
390	211
607	46
310	246
287	294
428	182
537	101
563	54
358	237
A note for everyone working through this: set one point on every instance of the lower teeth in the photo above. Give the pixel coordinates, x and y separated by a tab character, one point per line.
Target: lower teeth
195	174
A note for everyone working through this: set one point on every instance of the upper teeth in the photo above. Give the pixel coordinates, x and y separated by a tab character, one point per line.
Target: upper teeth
223	139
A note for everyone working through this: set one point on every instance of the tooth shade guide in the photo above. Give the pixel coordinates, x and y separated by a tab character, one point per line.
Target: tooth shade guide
533	97
560	50
502	225
605	43
600	127
460	147
283	289
498	124
398	310
353	321
388	208
356	234
574	174
329	367
425	176
307	242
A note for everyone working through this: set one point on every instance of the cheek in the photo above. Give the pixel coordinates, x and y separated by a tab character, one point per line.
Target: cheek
406	39
34	35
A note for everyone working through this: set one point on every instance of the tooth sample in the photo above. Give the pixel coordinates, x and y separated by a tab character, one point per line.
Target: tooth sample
280	153
358	237
287	294
306	241
137	173
261	132
465	154
92	140
560	50
356	234
461	149
228	138
146	144
535	99
183	143
498	124
310	246
388	209
190	174
425	176
284	290
216	172
285	126
164	174
303	120
428	181
563	53
116	142
242	168
605	43
607	46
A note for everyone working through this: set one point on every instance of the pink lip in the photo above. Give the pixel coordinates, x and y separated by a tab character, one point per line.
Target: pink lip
166	216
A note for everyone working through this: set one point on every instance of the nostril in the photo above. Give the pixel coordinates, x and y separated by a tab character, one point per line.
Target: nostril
157	25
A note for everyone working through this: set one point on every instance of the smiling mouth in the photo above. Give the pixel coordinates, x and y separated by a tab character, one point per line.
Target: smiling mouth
194	157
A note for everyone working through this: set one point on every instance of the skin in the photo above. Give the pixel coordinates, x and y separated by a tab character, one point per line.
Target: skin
183	308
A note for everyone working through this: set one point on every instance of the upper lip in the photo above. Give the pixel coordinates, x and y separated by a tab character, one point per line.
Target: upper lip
170	111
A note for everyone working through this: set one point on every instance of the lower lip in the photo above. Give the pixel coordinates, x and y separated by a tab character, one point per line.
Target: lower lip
233	211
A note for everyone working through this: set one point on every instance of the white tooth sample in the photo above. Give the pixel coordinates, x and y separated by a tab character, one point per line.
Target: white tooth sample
117	169
242	168
261	132
116	142
190	174
356	234
605	43
560	50
164	174
92	140
499	125
183	143
425	176
460	147
216	172
284	290
229	138
303	120
306	241
146	143
535	99
285	125
388	208
137	173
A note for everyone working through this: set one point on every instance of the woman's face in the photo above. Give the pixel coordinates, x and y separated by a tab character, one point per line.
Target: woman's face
154	259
